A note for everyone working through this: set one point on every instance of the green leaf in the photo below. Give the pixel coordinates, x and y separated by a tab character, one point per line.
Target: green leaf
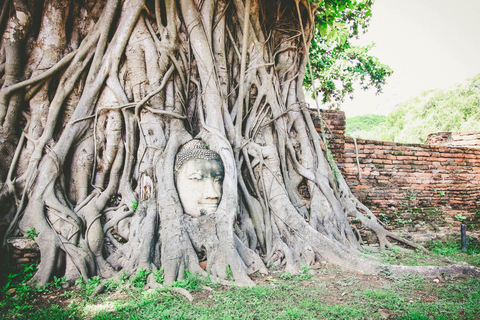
324	30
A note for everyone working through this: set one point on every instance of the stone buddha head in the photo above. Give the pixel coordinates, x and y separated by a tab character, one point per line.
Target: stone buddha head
199	176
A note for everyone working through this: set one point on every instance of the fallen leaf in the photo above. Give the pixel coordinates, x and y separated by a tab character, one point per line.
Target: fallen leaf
384	313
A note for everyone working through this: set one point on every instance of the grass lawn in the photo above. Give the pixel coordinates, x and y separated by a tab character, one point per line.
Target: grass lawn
319	292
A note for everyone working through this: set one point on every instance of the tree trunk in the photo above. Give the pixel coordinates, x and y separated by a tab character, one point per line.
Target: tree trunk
108	92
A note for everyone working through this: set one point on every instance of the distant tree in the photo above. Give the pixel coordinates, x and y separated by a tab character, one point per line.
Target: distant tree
359	125
433	111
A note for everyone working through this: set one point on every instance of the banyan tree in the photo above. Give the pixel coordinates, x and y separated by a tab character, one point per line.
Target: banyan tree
170	134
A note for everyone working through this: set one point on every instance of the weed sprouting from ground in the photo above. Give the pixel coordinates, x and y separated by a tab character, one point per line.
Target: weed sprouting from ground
88	287
159	275
286	275
192	282
304	274
140	278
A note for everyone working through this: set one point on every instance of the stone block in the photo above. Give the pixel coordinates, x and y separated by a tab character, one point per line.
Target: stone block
23	244
23	260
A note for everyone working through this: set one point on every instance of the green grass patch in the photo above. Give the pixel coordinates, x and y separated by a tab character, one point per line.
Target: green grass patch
406	298
321	293
440	253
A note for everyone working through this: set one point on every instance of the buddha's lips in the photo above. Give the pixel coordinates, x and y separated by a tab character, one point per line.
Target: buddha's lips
209	204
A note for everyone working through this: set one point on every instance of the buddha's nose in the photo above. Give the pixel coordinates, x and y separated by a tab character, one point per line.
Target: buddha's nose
211	191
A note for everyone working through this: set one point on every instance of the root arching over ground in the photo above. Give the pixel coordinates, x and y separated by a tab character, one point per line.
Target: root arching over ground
97	98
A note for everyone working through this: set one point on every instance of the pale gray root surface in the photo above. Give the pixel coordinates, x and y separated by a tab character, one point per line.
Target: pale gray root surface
95	111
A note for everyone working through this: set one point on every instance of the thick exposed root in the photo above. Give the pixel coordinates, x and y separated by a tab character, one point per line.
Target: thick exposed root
434	271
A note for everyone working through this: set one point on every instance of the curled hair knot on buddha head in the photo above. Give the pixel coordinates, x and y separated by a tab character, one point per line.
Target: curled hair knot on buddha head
194	149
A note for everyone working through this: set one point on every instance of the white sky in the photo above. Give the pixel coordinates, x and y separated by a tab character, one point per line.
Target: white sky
428	43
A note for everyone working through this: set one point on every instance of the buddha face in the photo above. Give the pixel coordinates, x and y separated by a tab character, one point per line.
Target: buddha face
199	185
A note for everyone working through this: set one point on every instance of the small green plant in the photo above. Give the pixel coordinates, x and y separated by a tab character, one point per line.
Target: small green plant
384	218
28	271
286	275
123	278
441	193
111	284
193	282
159	275
55	284
17	290
31	233
304	273
228	273
140	278
460	217
411	194
15	279
134	205
387	272
402	221
390	255
89	286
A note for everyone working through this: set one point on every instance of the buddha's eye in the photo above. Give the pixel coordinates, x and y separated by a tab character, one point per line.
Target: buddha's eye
217	177
195	177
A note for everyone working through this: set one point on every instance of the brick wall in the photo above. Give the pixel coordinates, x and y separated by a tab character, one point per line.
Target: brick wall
469	139
23	251
420	187
334	123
